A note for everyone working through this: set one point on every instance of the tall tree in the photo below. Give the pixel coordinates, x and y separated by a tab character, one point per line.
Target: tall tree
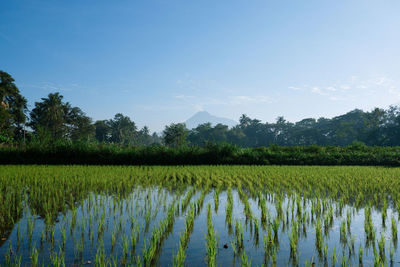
156	139
144	137
103	131
80	126
244	121
375	127
175	134
282	131
390	130
201	134
50	115
123	130
60	120
12	107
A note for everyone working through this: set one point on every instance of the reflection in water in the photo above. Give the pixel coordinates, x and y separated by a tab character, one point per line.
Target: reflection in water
171	221
147	226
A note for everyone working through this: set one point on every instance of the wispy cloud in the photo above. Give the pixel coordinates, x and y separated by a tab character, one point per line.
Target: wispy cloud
56	87
244	100
198	107
317	90
200	103
157	107
182	96
382	81
46	86
221	95
355	87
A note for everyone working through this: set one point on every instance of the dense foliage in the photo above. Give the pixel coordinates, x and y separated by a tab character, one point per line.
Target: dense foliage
52	120
12	109
58	120
87	153
378	127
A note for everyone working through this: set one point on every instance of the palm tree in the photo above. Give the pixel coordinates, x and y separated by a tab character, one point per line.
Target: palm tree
50	115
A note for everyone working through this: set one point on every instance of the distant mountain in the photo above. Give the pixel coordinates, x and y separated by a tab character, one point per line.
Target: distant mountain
203	117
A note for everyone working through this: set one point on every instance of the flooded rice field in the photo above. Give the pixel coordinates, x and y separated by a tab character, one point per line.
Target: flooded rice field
199	216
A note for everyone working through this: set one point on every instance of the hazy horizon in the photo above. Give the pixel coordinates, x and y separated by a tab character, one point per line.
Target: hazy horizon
162	61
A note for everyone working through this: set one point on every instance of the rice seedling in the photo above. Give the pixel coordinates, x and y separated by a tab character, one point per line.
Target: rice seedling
245	262
343	237
216	199
179	259
229	208
348	220
211	239
394	230
318	236
377	260
57	259
275	227
34	257
233	245
256	231
239	235
247	209
274	257
134	237
113	240
278	207
325	252
146	255
381	245
352	244
334	256
294	238
266	243
344	262
384	212
125	250
186	200
391	255
368	225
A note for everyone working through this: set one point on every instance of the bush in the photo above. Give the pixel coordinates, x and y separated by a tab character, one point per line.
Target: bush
109	154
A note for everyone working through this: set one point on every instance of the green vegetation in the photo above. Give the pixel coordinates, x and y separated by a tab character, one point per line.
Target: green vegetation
52	120
116	215
179	259
212	242
55	132
13	107
65	152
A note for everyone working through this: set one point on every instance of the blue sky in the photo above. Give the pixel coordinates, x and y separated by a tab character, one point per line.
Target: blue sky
161	61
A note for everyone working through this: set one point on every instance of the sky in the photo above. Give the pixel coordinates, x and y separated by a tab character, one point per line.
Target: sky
160	62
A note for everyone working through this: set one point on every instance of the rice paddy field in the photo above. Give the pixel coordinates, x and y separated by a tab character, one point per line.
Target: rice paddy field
199	216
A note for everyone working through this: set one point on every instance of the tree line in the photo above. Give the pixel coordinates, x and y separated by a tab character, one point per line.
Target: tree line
52	119
379	127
